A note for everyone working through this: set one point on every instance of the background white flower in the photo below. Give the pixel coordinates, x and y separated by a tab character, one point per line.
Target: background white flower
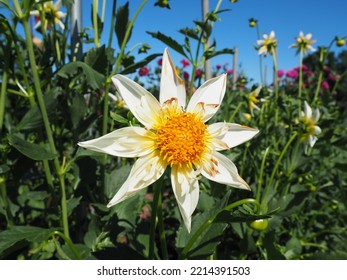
51	14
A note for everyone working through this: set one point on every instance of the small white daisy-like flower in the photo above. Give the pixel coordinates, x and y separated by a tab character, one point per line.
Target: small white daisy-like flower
268	44
174	136
50	13
303	43
309	120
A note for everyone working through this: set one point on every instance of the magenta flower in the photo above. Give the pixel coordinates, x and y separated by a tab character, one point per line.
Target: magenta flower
292	74
198	73
325	85
160	62
230	71
185	63
186	75
280	73
144	71
218	66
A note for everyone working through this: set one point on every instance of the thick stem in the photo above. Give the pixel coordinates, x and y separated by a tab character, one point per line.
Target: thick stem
44	114
154	219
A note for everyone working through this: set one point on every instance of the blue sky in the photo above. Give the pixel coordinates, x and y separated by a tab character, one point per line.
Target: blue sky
324	19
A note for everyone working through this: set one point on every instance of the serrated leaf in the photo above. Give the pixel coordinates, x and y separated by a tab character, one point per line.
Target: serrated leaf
133	67
168	41
78	109
11	237
191	33
209	54
92	77
33	118
31	150
122	23
97	59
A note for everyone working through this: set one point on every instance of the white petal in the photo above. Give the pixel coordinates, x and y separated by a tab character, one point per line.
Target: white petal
124	142
317	130
144	172
312	140
308	110
142	104
316	115
171	85
230	134
34	13
223	171
185	186
209	95
61	14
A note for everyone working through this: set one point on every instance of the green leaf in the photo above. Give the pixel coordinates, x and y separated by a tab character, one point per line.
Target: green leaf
122	23
118	118
209	54
33	118
191	33
4	168
78	109
92	77
97	59
31	150
168	41
10	239
237	217
133	67
72	203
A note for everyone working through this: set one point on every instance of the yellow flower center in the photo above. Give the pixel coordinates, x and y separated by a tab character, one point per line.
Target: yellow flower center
181	136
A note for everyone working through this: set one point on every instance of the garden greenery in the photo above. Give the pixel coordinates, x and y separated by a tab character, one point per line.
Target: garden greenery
54	194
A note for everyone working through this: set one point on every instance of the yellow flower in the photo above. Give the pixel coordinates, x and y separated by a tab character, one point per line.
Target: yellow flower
50	13
303	43
174	136
268	44
340	42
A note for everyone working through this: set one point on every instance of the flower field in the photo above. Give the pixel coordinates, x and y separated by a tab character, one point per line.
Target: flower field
107	156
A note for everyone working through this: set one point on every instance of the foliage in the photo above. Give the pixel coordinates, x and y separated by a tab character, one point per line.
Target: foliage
54	195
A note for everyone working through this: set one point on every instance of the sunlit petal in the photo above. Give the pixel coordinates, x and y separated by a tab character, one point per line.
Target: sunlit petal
209	95
171	85
145	171
229	135
142	104
124	142
185	186
223	171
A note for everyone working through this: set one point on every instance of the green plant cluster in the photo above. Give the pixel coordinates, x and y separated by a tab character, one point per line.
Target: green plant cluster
53	194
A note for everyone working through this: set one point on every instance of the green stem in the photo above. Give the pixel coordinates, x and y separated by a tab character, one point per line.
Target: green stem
274	55
5	202
205	225
95	23
3	95
261	173
269	185
260	60
235	112
44	114
154	220
68	242
300	79
161	228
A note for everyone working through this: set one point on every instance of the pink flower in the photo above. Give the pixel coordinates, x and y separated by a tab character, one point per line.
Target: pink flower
160	61
198	73
186	75
144	71
292	74
185	63
218	66
230	71
280	73
325	85
308	73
